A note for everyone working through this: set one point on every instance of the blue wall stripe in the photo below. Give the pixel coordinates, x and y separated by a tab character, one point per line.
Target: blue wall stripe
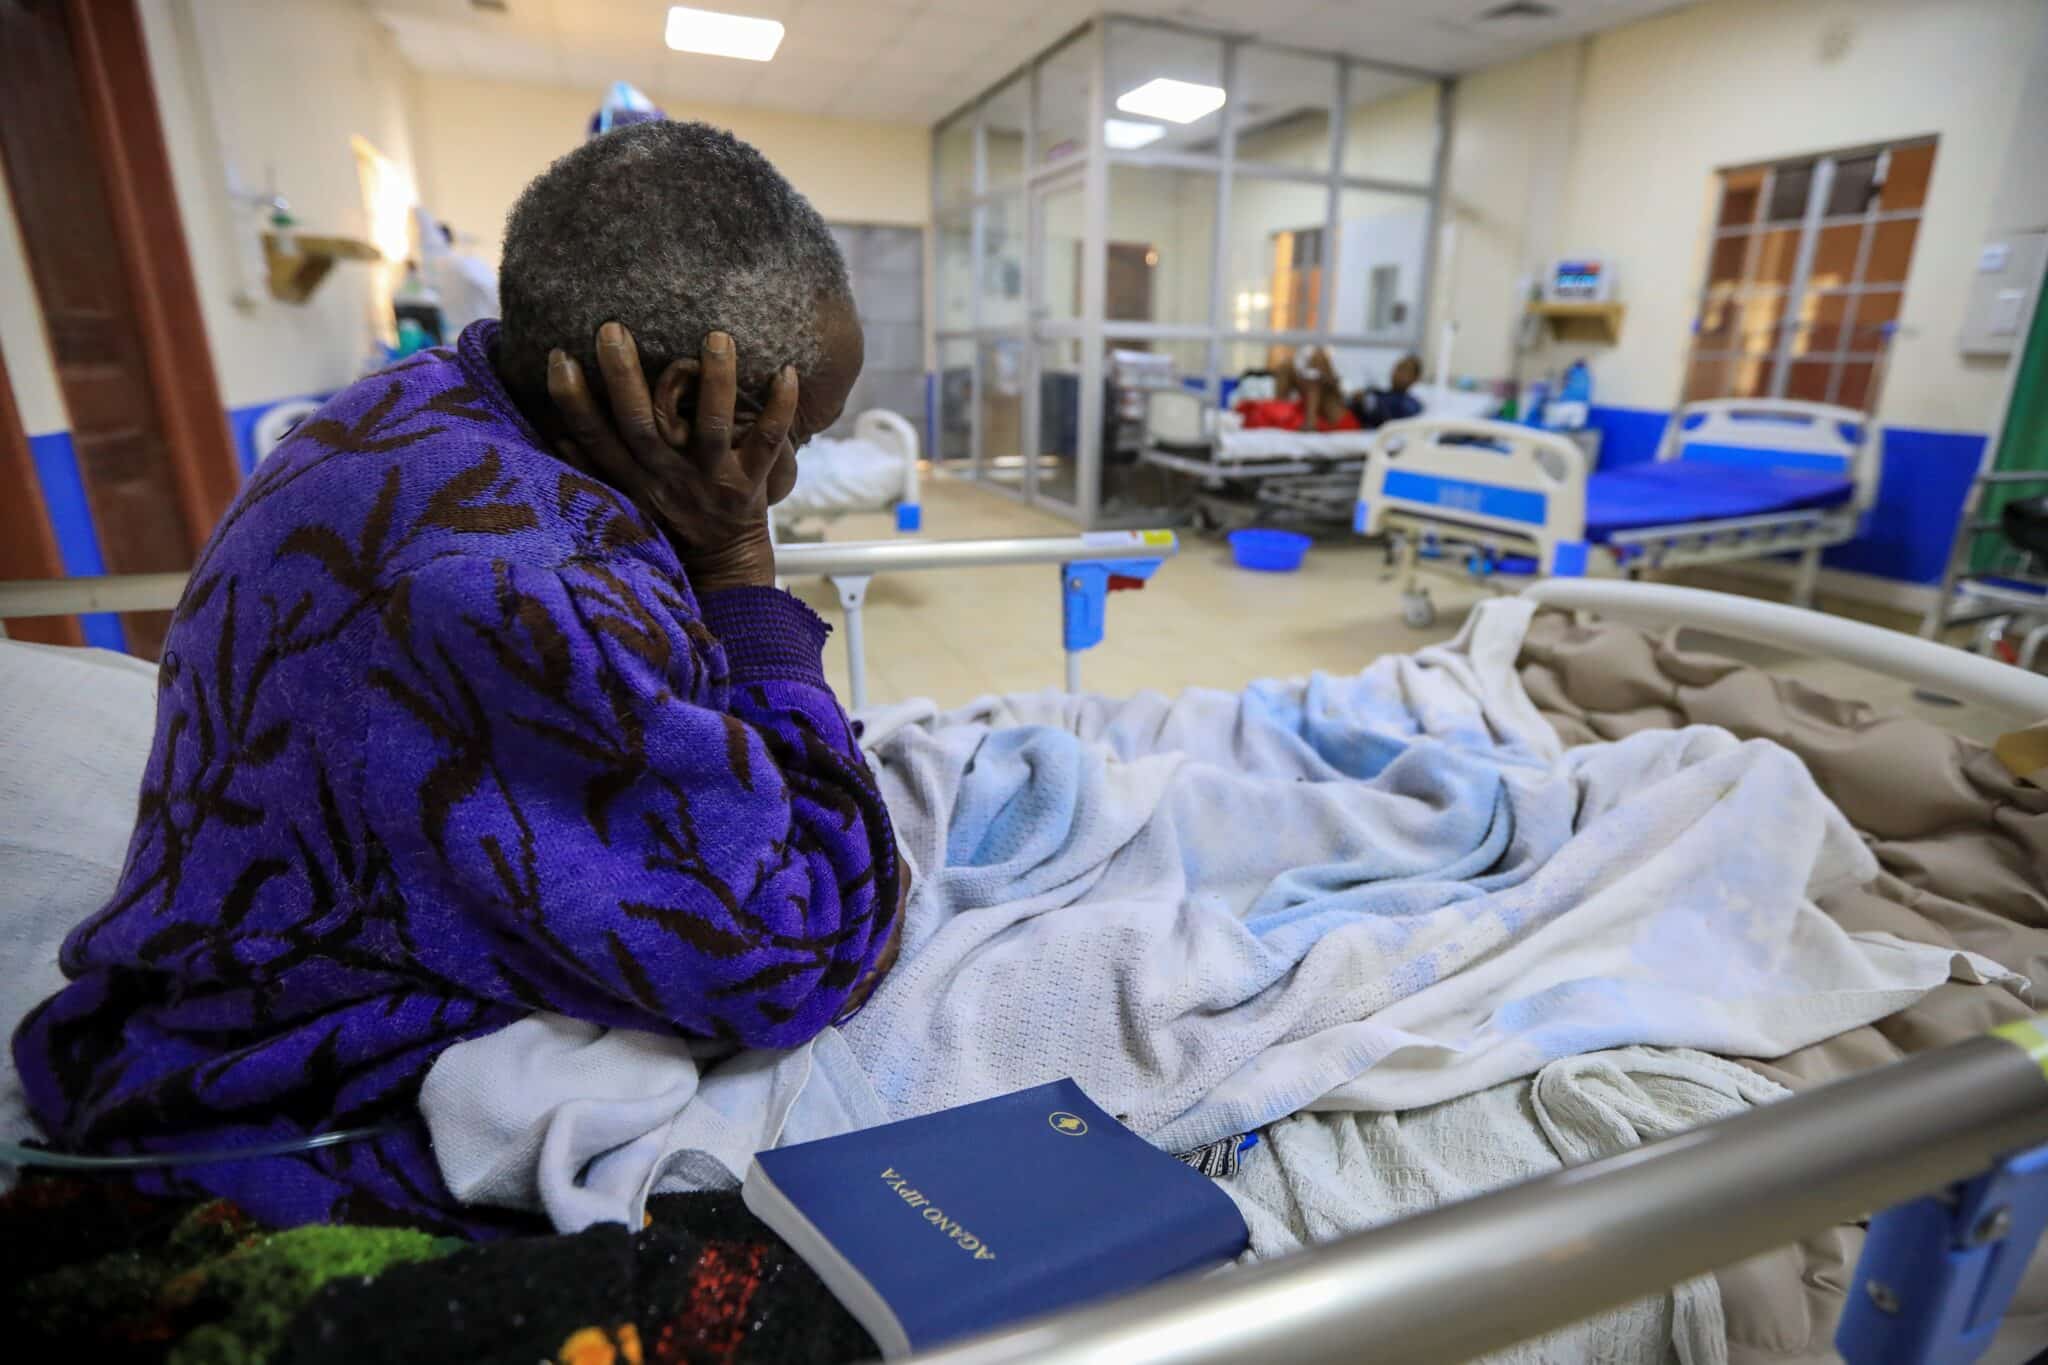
242	423
1919	501
931	418
78	543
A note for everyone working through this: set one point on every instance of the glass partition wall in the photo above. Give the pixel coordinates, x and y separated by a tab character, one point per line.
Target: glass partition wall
1209	200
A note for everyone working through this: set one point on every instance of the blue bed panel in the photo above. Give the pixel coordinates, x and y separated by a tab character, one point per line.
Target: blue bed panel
1461	495
1675	492
1771	461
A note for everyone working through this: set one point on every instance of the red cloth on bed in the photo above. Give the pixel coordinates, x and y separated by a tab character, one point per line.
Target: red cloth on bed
1286	414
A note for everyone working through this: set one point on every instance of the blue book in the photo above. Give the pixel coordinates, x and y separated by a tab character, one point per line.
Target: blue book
962	1221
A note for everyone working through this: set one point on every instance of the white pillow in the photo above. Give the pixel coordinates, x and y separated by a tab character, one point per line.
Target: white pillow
75	731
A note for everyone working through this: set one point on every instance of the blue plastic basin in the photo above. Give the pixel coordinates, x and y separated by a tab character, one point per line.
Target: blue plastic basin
1269	551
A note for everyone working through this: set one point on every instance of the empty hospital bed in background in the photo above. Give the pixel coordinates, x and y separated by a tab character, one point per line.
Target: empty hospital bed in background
1733	479
873	470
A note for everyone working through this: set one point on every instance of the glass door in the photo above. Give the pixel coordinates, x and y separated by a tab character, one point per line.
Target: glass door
1000	341
1058	237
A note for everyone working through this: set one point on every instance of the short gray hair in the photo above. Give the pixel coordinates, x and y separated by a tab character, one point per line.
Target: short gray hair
675	230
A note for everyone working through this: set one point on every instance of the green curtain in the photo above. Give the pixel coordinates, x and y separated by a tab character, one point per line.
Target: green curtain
2024	443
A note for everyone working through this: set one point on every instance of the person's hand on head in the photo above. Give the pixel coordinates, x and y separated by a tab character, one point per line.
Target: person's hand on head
709	493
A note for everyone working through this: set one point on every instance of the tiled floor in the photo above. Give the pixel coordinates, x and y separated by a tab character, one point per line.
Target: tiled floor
1201	620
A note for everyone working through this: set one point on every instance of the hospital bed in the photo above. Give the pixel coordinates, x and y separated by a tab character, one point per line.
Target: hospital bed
873	470
1309	474
1732	479
1950	1142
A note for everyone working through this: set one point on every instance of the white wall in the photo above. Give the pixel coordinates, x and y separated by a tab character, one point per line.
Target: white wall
271	91
23	343
1662	104
1503	195
481	142
2022	202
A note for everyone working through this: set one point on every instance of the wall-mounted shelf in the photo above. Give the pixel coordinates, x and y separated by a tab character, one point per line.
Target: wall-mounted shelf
1574	321
299	261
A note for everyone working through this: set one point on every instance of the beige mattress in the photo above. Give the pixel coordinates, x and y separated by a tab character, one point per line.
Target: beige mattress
1964	848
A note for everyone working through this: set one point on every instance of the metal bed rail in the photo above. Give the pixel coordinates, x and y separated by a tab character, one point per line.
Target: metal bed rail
1965	597
849	566
1953	673
1649	549
1481	1274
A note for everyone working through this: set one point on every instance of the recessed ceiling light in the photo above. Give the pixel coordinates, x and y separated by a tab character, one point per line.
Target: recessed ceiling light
722	35
1123	134
1175	101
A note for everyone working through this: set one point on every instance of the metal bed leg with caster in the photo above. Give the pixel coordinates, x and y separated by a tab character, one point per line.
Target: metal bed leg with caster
1808	578
1418	609
2030	647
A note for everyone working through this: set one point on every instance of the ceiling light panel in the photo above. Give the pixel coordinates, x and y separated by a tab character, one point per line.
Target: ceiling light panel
722	35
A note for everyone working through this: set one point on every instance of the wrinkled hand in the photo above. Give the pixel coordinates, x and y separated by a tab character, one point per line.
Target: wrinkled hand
707	494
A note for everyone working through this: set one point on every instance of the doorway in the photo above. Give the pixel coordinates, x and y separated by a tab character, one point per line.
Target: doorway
90	181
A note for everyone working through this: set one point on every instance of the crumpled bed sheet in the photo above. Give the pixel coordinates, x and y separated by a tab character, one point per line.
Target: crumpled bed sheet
1962	844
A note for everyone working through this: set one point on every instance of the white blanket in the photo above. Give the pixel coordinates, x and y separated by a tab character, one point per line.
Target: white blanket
1277	443
1374	892
842	475
1320	1176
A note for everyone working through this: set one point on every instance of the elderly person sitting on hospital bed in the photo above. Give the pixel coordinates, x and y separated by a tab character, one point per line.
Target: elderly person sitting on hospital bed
481	703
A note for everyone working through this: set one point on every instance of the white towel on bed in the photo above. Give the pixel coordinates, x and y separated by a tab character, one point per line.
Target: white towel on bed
1373	892
842	475
1320	1176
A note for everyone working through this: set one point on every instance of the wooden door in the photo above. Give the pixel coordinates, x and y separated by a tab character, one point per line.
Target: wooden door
28	549
90	180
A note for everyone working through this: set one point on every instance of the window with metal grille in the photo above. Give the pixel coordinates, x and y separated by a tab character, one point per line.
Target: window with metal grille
1806	274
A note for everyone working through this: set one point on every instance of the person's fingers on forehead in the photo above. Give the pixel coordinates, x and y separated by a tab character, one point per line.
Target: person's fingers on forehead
711	433
668	399
618	359
772	427
587	428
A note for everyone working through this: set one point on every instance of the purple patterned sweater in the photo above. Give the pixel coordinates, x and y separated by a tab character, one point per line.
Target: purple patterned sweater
443	737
